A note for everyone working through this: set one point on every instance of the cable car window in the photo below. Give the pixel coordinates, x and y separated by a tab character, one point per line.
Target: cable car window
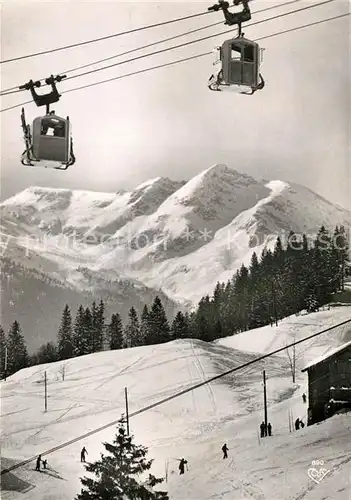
248	54
53	127
236	53
60	129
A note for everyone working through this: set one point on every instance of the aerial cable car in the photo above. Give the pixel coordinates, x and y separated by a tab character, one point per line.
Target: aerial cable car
48	142
239	57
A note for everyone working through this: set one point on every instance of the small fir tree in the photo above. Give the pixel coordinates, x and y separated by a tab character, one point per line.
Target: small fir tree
17	355
65	335
115	332
119	474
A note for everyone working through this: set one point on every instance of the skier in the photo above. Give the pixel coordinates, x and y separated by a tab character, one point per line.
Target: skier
297	424
225	449
269	428
37	467
181	466
263	429
82	454
304	397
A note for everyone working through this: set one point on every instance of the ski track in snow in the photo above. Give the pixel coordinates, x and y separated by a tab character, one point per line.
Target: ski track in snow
125	370
193	426
201	373
50	423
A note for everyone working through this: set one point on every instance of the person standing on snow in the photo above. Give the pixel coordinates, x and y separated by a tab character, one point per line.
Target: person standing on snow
304	397
225	449
181	466
297	424
269	429
82	454
263	429
37	467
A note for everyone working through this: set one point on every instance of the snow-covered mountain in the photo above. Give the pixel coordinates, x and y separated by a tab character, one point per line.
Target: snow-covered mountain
176	237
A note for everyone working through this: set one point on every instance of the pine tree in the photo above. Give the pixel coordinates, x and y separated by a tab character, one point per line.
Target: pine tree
159	327
17	355
98	325
2	353
115	332
341	250
65	336
47	353
87	327
132	330
180	327
145	325
81	335
118	473
94	326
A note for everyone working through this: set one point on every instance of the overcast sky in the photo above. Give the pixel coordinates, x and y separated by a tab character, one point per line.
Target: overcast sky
166	122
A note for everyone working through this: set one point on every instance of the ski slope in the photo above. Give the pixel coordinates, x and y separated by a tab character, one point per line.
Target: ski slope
194	425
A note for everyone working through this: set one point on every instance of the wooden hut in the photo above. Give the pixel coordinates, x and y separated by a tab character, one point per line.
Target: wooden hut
329	383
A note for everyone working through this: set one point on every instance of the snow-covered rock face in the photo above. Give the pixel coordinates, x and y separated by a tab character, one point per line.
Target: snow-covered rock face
180	237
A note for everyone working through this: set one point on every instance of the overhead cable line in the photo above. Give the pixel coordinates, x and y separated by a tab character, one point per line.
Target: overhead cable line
191	42
179	61
16	89
114	35
170	398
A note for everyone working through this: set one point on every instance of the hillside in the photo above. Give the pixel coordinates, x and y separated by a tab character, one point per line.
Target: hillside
194	425
174	239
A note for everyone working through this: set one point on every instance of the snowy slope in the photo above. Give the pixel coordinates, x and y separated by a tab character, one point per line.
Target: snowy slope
267	339
194	425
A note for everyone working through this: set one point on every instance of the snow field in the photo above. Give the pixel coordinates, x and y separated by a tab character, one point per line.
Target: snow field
194	425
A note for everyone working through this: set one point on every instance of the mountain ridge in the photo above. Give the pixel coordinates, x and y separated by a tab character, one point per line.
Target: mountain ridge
175	238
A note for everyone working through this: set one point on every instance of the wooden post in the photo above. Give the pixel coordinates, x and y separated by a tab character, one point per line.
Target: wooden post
342	271
274	305
5	363
46	393
127	410
265	400
294	362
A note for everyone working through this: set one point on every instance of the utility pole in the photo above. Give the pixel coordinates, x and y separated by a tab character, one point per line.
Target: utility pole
342	271
127	410
5	363
265	400
294	363
46	393
274	305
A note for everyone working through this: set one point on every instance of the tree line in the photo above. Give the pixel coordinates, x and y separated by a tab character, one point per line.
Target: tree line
298	274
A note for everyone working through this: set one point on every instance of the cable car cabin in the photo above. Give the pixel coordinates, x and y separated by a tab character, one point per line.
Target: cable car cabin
51	138
240	63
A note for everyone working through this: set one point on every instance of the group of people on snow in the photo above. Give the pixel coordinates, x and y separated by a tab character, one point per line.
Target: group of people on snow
298	424
266	430
39	461
44	462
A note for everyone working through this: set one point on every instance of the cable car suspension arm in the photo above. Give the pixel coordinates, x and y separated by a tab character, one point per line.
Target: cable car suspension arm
233	18
44	99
